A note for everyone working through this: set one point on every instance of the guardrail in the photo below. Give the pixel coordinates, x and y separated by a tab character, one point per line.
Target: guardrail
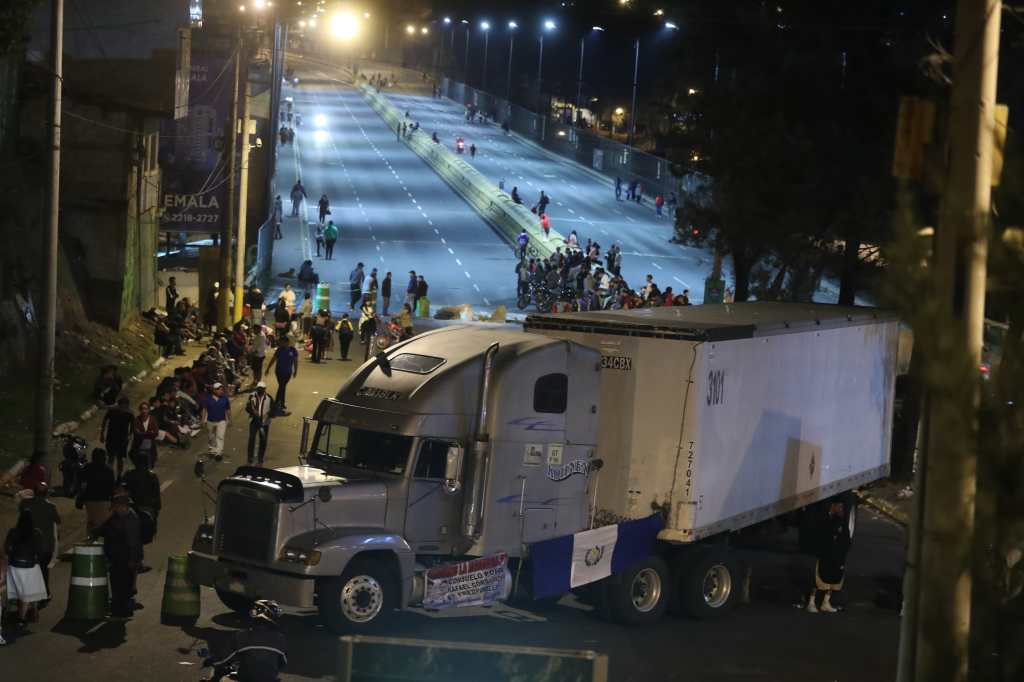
490	202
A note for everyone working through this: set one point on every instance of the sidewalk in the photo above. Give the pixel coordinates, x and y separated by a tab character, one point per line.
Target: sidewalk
137	389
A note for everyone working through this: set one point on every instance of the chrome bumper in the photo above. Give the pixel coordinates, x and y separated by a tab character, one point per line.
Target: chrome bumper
251	582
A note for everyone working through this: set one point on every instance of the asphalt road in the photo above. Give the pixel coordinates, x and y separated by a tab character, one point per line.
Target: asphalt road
395	214
581	199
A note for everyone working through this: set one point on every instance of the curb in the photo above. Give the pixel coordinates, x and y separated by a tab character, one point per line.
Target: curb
884	507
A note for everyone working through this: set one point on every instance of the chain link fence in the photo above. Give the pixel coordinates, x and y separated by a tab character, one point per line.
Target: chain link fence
609	158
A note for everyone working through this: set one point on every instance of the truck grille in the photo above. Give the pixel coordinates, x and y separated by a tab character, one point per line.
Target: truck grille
245	526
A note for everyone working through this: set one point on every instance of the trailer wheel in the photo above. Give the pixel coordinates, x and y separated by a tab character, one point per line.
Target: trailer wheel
236	602
361	599
708	583
639	595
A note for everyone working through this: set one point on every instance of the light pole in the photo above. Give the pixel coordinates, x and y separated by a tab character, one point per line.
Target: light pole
465	59
485	26
548	26
636	73
448	23
579	79
512	26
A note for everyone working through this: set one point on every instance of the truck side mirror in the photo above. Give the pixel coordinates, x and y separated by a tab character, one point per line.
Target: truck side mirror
304	439
453	469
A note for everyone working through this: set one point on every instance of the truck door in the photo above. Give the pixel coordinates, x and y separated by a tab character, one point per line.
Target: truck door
433	514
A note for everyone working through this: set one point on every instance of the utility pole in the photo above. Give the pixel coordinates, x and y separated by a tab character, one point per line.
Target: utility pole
243	193
223	309
636	78
961	250
579	80
48	323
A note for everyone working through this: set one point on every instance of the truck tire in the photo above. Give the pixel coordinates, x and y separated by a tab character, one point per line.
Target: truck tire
361	599
708	583
850	508
639	595
236	602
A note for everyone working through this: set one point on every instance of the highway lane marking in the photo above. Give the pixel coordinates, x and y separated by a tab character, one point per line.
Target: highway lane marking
657	266
573	212
442	238
450	251
486	302
630	219
467	274
435	231
476	287
460	264
681	281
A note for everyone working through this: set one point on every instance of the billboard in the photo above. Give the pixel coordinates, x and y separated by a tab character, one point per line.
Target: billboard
194	189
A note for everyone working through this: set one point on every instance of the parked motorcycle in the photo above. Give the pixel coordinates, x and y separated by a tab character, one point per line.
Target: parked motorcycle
73	461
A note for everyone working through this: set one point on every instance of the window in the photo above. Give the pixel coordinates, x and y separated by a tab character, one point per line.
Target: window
419	364
433	459
384	453
551	393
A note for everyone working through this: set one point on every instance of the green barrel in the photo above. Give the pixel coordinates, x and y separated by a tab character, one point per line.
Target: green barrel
423	307
323	297
181	595
88	595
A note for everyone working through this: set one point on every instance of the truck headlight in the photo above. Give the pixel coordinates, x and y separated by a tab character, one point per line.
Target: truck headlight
309	557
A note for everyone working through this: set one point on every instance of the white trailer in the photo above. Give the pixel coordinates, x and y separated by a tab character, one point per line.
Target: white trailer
724	416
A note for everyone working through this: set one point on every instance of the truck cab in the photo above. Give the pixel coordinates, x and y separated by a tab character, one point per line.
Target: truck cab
458	444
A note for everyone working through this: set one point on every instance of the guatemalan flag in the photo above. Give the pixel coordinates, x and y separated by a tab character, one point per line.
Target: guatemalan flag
560	564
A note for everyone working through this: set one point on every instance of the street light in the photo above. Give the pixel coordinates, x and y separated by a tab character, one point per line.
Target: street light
344	25
512	26
465	59
424	30
549	25
410	29
579	79
485	26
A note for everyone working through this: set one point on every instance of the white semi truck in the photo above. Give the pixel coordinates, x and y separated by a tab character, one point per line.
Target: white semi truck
611	453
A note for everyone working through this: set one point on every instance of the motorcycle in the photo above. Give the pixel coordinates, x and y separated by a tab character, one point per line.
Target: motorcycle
73	461
389	335
460	145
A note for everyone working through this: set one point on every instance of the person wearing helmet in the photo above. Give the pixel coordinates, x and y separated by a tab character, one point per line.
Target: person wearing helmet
259	653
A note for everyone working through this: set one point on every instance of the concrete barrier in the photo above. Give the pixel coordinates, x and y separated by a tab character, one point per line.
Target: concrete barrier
490	202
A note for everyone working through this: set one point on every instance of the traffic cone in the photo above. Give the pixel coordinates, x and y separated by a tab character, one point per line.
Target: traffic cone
89	594
181	595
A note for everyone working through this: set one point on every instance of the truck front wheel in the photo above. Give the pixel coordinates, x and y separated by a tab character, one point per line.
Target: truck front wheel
639	595
362	598
708	583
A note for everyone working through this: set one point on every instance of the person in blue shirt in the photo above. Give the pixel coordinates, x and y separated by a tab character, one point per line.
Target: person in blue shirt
216	411
286	365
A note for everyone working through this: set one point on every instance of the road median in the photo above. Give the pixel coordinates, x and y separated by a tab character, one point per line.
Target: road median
494	205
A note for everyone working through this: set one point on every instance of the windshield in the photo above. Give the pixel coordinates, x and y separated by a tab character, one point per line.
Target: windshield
383	453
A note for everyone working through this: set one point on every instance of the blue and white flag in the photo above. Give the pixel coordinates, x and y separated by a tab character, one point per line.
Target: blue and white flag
560	564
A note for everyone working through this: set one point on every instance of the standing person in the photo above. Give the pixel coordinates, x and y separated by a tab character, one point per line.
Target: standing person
145	431
367	327
618	188
46	519
515	195
346	332
260	409
257	353
216	412
282	318
421	292
324	207
638	195
523	277
542	203
472	151
97	491
297	195
830	569
385	292
330	237
286	360
318	236
316	334
288	294
729	296
143	485
171	295
355	284
545	224
116	431
306	315
672	204
278	209
122	544
685	297
35	472
522	241
659	203
25	582
410	288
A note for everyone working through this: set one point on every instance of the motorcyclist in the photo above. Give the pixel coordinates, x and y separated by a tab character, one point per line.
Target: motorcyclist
259	653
